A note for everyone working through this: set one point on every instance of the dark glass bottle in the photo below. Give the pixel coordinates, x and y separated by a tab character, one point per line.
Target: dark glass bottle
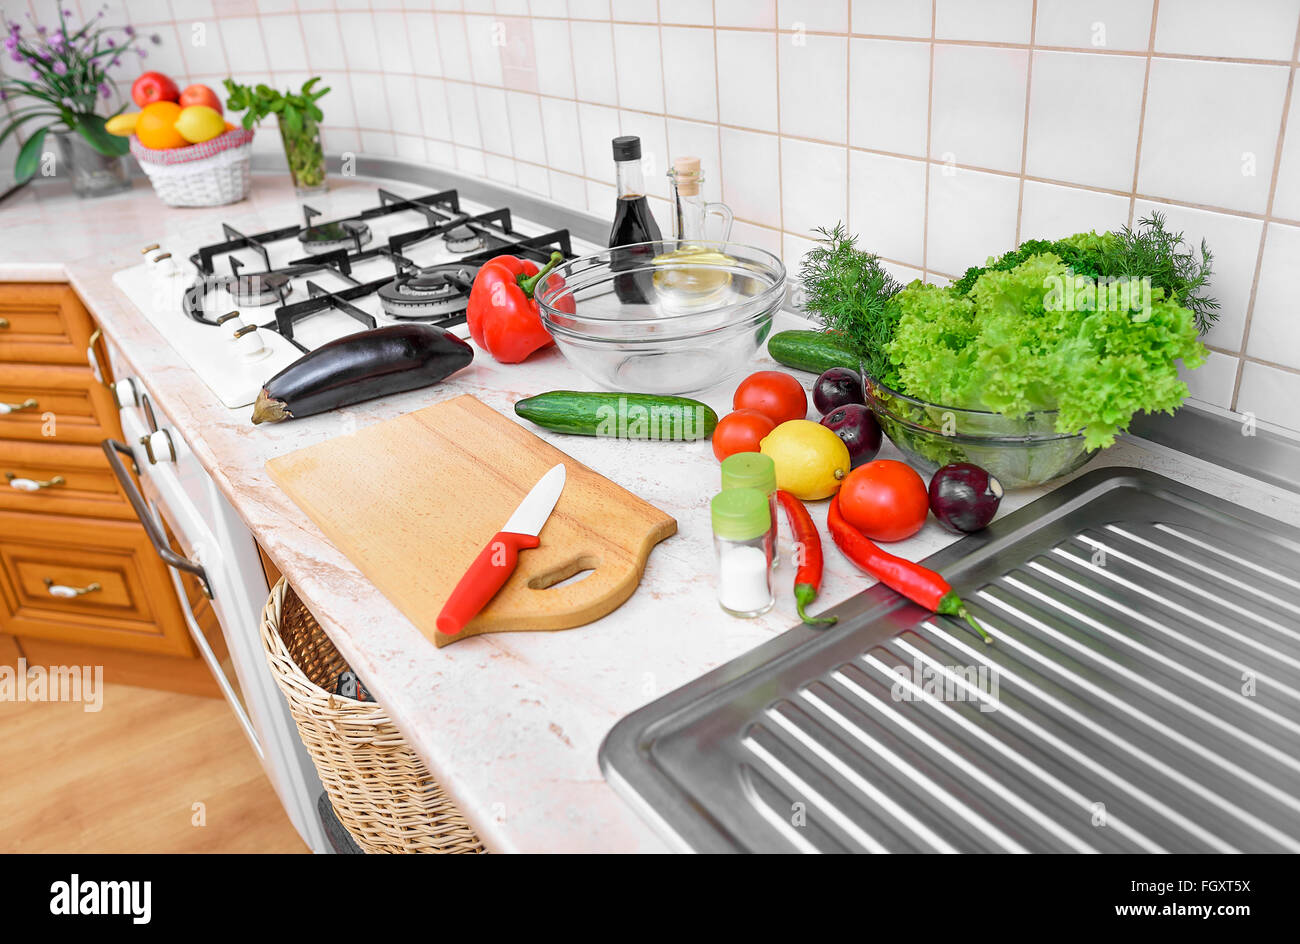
633	223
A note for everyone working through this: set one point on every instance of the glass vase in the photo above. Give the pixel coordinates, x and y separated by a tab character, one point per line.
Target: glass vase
92	174
306	157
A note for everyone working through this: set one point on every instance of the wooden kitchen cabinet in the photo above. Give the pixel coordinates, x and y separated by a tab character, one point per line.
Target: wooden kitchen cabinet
77	530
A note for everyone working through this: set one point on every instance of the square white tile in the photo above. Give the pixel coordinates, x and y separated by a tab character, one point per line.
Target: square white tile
655	160
760	236
978	106
600	198
686	11
634	11
554	58
1270	394
887	205
409	148
813	78
1067	85
599	126
568	190
203	50
757	14
1213	381
470	161
830	16
1286	198
483	39
593	65
498	168
563	144
242	37
589	9
433	108
324	45
284	41
453	47
392	30
892	17
814	188
690	79
532	179
403	105
747	89
526	127
548	7
996	21
378	143
494	120
1234	243
972	216
371	100
340	111
441	153
751	176
1275	324
422	33
463	111
1052	212
1229	165
1243	29
694	138
637	61
889	91
1098	24
362	43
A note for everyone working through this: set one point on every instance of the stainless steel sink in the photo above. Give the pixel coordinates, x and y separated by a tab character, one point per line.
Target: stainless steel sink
1142	695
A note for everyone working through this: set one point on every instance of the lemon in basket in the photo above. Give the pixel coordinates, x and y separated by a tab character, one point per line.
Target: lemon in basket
156	126
199	123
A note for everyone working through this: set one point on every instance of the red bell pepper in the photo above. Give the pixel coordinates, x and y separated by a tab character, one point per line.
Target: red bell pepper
502	313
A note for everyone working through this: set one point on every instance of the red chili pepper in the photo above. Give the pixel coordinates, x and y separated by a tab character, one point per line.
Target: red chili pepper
919	584
502	313
808	577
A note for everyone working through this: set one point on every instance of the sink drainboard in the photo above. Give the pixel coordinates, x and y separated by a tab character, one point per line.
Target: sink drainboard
1142	695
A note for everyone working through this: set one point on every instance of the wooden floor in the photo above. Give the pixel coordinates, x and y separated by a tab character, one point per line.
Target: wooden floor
126	778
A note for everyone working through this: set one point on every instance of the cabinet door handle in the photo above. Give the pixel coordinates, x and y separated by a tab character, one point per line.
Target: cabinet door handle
33	485
4	323
28	404
67	593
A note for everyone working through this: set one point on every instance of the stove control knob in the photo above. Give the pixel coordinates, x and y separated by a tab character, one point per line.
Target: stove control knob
126	393
250	343
158	447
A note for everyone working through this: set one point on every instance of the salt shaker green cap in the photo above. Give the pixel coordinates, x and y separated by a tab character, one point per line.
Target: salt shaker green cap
741	514
749	470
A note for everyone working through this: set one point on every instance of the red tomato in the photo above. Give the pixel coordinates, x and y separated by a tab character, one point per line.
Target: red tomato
885	500
200	95
153	87
740	431
777	396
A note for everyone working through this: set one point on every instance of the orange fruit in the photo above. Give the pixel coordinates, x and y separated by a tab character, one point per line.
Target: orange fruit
156	126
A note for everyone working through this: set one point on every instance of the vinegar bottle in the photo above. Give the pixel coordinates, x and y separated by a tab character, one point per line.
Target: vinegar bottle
633	224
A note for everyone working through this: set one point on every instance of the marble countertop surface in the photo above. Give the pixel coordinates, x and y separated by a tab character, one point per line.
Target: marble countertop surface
509	724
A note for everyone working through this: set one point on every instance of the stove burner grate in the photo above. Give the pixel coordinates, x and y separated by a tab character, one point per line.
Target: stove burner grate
431	292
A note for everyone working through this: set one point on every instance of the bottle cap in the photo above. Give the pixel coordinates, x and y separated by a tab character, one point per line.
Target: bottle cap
686	173
740	514
749	470
627	148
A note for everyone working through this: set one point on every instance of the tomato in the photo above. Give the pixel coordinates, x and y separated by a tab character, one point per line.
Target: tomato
885	500
740	431
153	87
777	396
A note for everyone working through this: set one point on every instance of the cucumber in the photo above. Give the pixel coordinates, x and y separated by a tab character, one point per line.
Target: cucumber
620	415
813	351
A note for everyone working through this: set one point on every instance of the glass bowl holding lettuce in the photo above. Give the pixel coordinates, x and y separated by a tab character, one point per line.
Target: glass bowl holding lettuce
1028	365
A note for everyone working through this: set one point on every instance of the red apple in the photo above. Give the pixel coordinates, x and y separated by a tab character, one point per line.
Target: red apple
153	87
200	95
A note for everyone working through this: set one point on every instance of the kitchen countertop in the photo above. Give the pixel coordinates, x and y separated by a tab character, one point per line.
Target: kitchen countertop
509	724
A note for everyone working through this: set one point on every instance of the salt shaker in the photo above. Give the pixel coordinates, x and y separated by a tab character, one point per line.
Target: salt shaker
742	538
754	470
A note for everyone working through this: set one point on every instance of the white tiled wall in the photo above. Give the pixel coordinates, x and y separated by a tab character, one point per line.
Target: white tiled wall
941	130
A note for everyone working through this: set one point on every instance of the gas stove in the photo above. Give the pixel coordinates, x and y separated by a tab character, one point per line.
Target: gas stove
242	308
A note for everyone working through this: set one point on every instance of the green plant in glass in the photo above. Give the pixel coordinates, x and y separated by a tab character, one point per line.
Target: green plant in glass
299	119
67	80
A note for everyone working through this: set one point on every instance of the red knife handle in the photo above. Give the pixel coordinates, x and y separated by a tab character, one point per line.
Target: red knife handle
487	575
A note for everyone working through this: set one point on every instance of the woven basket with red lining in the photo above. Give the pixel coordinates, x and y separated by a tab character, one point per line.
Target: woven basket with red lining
213	173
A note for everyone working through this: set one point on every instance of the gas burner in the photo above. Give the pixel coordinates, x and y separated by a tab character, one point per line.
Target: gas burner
463	239
260	288
439	291
327	237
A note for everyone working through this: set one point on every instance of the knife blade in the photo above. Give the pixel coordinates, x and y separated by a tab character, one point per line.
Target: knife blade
497	561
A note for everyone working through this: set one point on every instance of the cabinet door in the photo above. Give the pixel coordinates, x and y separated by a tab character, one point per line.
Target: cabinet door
55	405
86	581
43	323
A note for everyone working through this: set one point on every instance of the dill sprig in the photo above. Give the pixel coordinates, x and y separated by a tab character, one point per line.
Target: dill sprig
1153	251
850	290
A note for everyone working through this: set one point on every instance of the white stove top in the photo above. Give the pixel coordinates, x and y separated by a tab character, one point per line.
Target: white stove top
236	368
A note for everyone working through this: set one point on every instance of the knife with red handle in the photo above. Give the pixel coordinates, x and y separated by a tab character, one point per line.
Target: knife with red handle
497	561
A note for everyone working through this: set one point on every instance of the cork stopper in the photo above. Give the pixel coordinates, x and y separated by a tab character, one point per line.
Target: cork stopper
686	172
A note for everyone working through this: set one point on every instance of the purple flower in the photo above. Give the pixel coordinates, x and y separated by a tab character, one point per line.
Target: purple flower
104	90
117	61
142	53
16	56
40	31
129	30
36	76
111	42
11	42
60	69
4	96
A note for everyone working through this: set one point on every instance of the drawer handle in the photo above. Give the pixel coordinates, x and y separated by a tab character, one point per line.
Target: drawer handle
28	404
33	485
4	323
68	593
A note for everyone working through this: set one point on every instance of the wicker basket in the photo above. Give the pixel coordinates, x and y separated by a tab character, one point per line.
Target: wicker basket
380	789
213	173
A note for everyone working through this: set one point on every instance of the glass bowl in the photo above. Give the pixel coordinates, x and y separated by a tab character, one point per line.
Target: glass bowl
1019	451
663	317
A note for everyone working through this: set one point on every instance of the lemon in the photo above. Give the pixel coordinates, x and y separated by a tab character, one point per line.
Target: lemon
810	459
199	123
122	125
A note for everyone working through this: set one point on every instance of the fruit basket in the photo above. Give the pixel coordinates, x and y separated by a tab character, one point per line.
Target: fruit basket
213	173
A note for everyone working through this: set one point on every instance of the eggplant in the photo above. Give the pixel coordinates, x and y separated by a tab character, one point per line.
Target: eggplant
361	366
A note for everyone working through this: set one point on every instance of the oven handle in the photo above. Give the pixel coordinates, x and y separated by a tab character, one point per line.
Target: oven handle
111	449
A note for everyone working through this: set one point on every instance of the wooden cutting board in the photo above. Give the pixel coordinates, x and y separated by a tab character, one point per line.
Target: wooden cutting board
411	501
